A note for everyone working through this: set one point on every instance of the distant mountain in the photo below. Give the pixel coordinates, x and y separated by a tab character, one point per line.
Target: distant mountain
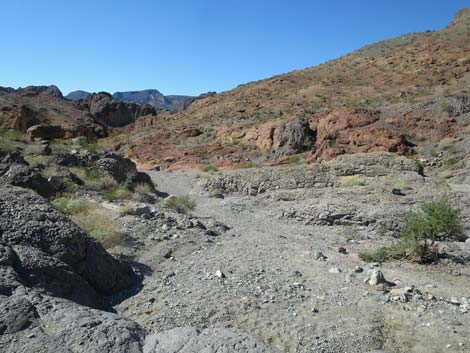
77	95
154	97
51	90
171	104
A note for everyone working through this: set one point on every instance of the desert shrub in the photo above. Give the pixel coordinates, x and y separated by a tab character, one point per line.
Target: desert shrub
90	146
34	161
209	169
118	192
452	161
128	208
100	225
296	159
142	188
58	146
141	193
97	222
436	221
350	181
72	205
445	174
445	143
50	170
94	179
13	135
246	164
6	145
180	204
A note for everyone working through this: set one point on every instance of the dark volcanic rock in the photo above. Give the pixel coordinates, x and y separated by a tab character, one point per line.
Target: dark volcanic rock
112	112
52	90
16	314
21	175
71	328
43	254
47	132
63	244
294	137
193	340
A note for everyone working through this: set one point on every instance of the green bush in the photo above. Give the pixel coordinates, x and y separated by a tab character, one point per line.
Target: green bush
13	135
90	146
72	205
98	222
118	192
93	178
34	161
296	159
247	164
436	221
180	204
209	169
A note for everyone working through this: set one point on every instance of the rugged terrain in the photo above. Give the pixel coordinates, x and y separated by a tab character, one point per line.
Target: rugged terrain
163	104
400	75
265	241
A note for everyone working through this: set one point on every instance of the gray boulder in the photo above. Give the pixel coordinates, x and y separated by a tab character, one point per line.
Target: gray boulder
32	322
54	253
294	137
193	340
21	175
112	112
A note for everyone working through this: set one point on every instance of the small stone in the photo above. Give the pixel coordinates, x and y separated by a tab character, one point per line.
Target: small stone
454	301
358	269
219	274
166	253
169	275
335	270
375	277
318	255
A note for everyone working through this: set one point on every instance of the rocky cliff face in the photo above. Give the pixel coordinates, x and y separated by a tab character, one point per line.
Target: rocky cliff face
112	112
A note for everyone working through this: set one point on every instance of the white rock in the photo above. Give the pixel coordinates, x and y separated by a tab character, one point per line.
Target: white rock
335	270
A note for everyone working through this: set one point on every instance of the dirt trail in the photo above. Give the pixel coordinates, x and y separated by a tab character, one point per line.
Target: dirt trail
261	277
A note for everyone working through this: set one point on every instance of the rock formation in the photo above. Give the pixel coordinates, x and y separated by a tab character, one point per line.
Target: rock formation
112	112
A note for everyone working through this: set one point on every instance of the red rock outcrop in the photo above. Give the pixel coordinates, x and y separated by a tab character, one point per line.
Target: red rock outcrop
346	131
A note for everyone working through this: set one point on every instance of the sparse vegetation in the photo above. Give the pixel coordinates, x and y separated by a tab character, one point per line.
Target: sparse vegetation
436	221
180	204
209	169
59	146
246	164
350	181
90	146
97	222
118	192
296	159
93	178
34	161
13	135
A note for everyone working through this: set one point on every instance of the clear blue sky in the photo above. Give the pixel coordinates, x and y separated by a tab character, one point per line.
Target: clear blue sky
190	47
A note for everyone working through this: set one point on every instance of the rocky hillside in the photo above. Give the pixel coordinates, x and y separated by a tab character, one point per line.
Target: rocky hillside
411	70
112	112
163	104
77	95
153	97
24	108
58	117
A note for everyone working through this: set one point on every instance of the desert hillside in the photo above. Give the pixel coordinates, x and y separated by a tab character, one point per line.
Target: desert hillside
406	69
